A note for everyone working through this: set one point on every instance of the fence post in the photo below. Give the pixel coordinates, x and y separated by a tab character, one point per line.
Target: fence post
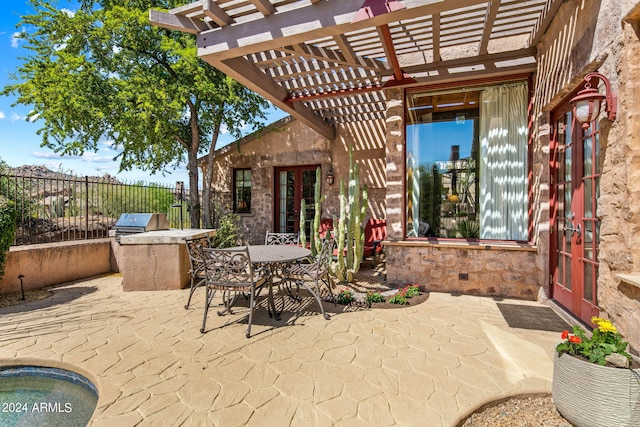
86	207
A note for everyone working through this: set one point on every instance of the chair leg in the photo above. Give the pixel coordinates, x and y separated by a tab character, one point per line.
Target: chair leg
316	296
207	303
194	286
251	304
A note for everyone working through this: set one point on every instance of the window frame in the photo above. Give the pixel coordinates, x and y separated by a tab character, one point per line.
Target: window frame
235	194
461	86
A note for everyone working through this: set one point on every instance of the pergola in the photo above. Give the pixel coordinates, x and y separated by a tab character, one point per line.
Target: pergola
328	62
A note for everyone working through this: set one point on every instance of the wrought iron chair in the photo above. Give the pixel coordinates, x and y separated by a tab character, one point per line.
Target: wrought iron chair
281	238
231	272
318	271
196	260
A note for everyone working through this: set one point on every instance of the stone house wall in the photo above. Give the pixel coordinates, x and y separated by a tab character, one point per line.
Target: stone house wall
600	36
290	143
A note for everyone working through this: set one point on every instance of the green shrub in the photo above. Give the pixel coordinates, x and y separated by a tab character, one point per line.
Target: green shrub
227	232
7	230
374	297
398	299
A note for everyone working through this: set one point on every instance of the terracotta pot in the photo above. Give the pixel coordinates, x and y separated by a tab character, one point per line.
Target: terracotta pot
590	395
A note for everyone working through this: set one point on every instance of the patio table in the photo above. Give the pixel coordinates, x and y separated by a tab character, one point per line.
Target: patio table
273	256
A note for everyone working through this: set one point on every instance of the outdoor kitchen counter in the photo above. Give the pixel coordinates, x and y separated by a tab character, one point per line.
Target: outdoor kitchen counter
155	260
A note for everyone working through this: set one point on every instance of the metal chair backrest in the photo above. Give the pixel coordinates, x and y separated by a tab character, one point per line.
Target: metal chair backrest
229	268
281	238
325	256
195	248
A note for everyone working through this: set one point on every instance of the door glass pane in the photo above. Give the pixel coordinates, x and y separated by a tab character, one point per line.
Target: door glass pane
588	198
560	271
588	239
308	194
588	281
567	275
587	157
568	119
561	165
567	164
597	238
286	202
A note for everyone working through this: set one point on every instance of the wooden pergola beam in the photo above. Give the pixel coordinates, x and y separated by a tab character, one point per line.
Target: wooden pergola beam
176	22
245	73
296	26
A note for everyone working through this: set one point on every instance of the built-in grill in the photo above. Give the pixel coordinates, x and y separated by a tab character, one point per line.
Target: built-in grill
132	223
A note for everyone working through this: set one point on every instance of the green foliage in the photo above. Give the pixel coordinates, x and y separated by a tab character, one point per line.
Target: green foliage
350	232
410	291
398	299
374	297
7	230
103	72
405	294
345	296
604	340
318	198
302	236
116	200
227	232
469	229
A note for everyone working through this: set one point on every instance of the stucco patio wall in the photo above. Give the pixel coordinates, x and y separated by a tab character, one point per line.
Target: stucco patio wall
49	264
474	269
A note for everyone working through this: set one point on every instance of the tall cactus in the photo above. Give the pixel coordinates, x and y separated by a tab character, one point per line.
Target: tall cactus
302	234
315	243
353	210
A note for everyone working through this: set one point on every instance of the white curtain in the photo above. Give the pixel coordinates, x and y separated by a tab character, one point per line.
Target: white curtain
413	181
503	162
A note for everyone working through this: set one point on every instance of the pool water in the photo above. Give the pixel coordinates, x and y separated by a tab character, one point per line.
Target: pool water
36	396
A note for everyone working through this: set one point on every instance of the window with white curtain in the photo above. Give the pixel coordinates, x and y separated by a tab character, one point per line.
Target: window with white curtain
467	163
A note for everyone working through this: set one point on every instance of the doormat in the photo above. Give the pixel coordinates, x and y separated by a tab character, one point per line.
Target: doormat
532	317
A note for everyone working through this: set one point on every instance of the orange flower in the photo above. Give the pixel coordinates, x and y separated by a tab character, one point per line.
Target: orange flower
575	339
565	335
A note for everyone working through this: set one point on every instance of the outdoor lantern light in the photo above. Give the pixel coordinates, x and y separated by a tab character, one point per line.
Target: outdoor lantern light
330	177
588	102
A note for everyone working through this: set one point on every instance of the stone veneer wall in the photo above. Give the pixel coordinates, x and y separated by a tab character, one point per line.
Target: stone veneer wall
602	36
488	270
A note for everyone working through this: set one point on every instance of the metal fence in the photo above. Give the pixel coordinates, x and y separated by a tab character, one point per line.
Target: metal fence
60	207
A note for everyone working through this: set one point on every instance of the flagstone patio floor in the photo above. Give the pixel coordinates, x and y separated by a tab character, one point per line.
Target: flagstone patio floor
426	365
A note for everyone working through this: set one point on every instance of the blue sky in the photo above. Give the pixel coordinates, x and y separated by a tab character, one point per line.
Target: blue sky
19	143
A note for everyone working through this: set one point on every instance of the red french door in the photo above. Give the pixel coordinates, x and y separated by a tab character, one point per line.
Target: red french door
575	228
292	185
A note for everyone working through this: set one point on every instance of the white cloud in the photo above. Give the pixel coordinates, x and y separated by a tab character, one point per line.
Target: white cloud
15	117
96	158
2	116
108	145
85	158
69	12
48	155
15	39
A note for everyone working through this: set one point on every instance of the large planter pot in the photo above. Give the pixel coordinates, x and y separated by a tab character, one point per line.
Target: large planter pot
590	395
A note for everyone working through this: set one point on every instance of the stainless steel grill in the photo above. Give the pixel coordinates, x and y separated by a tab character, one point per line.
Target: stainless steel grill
132	223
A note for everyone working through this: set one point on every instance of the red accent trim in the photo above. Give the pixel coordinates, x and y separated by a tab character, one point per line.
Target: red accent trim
371	8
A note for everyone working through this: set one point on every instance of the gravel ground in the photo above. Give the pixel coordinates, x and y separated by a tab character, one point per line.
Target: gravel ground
8	300
519	411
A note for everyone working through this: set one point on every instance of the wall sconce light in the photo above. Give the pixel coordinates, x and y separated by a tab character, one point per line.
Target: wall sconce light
329	177
588	102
